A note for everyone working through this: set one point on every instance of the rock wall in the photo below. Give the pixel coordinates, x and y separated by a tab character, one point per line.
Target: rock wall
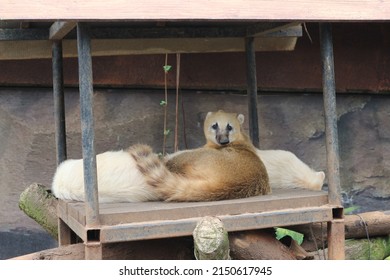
124	117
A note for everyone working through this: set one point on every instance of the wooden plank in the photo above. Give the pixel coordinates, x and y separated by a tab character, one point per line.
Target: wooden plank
157	10
117	213
42	49
62	210
78	228
60	29
185	227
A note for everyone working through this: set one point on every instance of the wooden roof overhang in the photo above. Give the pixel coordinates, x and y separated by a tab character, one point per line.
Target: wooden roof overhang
171	26
200	10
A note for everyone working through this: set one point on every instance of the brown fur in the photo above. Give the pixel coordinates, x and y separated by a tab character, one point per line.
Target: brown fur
226	167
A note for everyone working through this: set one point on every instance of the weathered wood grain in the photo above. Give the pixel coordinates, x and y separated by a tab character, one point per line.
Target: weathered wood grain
221	10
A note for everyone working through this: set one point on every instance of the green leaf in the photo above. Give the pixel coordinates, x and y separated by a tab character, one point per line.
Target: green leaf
282	232
166	132
350	209
167	68
163	103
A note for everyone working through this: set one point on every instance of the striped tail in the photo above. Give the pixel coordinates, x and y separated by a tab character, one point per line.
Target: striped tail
170	186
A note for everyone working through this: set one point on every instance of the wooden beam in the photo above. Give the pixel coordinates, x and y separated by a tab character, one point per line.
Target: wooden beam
201	10
13	34
42	49
134	32
291	31
265	28
60	29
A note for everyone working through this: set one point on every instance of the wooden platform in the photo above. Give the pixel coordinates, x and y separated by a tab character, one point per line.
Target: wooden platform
121	222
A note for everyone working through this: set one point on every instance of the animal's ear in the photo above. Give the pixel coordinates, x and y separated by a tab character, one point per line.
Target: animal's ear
240	118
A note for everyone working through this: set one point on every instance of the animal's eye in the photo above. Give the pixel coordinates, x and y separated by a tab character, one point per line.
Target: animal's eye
229	127
214	126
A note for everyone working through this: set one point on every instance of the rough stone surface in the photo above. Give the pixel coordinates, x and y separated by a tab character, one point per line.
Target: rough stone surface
124	117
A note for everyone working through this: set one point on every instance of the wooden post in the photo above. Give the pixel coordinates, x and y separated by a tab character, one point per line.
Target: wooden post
93	250
330	112
59	104
252	90
336	233
336	240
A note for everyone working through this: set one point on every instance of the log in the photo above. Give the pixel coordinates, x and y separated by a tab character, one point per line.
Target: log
363	225
211	240
367	249
258	245
376	223
40	205
377	248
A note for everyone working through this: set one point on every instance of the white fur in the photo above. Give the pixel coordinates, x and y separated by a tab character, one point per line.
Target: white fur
118	179
285	171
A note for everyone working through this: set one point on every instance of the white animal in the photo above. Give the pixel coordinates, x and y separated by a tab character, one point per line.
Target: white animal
118	179
286	170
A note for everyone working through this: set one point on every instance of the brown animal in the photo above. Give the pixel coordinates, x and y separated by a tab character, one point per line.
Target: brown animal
227	167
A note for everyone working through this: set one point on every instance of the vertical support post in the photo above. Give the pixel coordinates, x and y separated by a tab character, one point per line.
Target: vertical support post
329	94
87	125
336	239
336	231
252	90
93	251
64	233
59	104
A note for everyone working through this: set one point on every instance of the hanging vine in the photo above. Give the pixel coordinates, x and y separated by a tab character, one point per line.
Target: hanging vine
164	103
176	146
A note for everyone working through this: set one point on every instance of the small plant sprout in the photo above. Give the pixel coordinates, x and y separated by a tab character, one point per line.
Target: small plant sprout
167	68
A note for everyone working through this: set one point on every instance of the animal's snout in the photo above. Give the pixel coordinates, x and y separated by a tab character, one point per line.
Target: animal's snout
223	139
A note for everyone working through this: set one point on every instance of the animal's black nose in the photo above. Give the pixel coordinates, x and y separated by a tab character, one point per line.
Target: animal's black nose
224	141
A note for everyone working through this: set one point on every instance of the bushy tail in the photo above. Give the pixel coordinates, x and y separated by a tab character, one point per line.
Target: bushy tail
170	186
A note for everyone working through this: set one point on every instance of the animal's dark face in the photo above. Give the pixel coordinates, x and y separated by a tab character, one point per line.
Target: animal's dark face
222	134
223	128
